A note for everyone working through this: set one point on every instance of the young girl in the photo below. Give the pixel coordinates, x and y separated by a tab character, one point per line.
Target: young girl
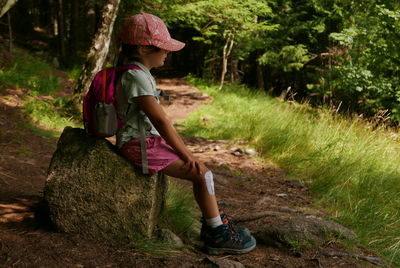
146	42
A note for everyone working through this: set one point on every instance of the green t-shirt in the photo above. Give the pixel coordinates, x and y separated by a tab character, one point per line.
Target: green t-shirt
134	83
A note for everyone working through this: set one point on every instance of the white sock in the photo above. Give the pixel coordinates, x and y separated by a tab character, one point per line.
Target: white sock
214	222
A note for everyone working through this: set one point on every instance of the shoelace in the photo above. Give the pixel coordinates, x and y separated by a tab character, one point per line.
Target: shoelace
237	238
227	221
233	234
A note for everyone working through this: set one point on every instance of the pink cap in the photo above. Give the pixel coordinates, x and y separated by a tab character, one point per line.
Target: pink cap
148	30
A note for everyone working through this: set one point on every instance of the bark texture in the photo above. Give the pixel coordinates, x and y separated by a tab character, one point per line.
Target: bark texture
225	55
100	47
91	190
5	5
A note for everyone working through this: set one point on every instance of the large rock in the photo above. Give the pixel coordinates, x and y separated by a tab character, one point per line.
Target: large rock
92	190
289	231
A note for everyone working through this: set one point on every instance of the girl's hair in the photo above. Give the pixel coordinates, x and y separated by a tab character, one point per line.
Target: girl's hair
130	53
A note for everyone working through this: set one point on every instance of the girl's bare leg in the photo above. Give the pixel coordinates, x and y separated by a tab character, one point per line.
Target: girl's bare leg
207	202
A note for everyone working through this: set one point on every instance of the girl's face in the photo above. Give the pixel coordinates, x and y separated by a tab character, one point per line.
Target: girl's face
154	59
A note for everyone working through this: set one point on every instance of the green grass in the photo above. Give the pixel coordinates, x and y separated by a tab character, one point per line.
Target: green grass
152	246
180	214
44	113
23	151
352	169
48	115
30	73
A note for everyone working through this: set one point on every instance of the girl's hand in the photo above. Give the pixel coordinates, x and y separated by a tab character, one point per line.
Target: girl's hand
160	121
192	164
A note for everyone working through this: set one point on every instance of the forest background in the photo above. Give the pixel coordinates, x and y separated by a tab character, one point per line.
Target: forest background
339	54
343	54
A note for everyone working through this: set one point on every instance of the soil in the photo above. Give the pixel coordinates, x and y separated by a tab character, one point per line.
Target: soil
242	180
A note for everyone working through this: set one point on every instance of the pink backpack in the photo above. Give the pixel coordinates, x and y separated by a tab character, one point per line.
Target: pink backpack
100	116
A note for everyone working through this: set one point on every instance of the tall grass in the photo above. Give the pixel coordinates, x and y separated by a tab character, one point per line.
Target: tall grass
47	113
180	213
351	168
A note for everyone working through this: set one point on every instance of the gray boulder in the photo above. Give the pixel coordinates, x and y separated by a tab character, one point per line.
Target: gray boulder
91	190
297	232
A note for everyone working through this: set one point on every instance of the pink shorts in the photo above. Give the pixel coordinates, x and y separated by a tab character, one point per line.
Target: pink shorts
159	153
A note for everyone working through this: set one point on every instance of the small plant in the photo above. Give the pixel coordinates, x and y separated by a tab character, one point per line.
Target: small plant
23	151
75	72
67	108
296	246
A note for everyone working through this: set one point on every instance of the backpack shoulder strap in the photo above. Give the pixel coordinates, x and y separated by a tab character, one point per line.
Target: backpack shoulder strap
143	147
142	131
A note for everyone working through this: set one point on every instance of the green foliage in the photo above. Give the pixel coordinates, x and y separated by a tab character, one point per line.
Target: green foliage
218	21
30	73
352	169
75	72
336	52
346	37
289	58
366	77
303	27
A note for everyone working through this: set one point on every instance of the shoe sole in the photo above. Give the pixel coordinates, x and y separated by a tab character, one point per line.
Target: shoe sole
245	232
221	251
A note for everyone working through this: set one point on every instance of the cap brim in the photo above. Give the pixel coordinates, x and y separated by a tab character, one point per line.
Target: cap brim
172	45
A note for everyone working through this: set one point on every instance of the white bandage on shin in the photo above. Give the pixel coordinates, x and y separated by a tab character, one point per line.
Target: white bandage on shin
208	177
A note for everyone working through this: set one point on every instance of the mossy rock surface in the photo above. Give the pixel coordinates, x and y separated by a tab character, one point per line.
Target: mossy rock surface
92	190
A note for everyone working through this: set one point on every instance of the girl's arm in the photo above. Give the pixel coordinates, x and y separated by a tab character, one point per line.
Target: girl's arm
157	116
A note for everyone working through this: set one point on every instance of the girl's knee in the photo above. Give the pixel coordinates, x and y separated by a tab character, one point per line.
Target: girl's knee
206	179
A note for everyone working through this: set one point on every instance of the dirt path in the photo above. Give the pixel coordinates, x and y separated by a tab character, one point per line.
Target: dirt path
242	180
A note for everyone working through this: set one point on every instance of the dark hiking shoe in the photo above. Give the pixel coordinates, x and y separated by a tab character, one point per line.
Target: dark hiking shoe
224	239
243	231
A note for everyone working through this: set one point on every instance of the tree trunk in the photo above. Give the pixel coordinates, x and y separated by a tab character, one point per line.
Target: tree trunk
32	6
100	46
260	76
53	17
234	70
10	42
5	5
61	29
225	54
73	38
